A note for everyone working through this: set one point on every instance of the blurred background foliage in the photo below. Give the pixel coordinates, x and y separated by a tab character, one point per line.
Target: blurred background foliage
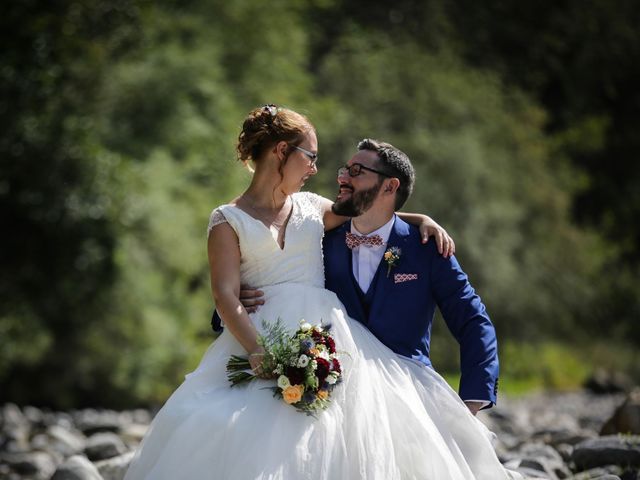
119	120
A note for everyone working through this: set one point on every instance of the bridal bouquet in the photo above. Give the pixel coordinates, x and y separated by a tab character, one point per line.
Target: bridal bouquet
304	364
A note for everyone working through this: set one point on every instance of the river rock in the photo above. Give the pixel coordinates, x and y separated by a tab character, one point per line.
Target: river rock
604	381
37	465
609	450
77	467
626	418
92	421
15	429
115	468
104	445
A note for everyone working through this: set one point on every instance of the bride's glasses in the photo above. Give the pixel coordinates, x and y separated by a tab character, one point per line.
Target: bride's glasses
313	157
355	169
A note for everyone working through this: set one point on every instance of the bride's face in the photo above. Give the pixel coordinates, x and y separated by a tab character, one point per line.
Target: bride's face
301	164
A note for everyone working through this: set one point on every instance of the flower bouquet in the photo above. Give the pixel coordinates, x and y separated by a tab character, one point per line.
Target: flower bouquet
304	365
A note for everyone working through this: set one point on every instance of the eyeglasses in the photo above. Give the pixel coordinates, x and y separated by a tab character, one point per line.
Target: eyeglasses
312	156
356	169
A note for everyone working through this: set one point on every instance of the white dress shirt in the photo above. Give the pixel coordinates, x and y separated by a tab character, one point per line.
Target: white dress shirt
365	258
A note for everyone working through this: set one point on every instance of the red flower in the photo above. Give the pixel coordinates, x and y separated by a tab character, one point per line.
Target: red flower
336	366
331	345
324	367
295	375
318	337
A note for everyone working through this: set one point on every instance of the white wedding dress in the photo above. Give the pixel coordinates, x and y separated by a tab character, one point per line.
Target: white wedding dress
389	419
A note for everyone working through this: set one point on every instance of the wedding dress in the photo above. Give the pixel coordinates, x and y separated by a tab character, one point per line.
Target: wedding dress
389	419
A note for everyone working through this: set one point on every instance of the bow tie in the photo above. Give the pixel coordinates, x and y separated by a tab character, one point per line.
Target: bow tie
354	241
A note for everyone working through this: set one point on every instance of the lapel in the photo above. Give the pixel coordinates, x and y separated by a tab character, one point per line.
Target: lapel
383	284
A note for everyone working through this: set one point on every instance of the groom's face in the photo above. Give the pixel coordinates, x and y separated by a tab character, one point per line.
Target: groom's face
357	194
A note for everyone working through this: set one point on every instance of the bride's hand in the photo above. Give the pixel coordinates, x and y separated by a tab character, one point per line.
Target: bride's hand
446	245
255	360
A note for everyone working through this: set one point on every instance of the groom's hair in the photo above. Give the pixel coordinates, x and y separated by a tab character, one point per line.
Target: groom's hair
396	163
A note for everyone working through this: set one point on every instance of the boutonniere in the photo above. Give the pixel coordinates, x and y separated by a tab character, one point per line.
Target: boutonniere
392	257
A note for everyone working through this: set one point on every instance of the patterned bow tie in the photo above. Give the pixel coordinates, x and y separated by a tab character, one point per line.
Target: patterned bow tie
354	241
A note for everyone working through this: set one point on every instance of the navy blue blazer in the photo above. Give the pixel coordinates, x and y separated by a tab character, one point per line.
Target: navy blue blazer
403	304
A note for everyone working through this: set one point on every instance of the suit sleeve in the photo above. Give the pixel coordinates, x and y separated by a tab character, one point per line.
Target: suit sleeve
468	321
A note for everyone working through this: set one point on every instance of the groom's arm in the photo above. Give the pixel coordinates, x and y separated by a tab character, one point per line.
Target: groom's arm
468	321
250	298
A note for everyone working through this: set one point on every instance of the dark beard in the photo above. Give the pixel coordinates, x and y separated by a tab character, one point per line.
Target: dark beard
359	202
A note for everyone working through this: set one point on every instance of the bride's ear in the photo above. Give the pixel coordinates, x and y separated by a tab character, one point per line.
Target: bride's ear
281	149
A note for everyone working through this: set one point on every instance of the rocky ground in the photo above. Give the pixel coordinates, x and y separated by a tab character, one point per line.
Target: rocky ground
550	436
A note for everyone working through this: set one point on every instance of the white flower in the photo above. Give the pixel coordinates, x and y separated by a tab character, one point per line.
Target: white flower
303	361
305	326
324	354
332	378
283	382
314	365
318	328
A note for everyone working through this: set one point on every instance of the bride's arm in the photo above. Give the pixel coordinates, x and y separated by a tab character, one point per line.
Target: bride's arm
428	226
224	265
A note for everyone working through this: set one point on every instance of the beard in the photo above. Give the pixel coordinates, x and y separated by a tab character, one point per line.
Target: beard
357	203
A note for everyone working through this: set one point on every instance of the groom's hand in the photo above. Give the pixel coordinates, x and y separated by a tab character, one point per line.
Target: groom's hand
251	299
474	407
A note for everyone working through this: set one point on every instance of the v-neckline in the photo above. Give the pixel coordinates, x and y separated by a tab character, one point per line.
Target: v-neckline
268	229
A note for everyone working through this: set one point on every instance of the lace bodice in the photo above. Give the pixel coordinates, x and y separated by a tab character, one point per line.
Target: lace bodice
263	262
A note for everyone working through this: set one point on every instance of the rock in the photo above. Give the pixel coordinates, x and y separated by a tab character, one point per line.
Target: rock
556	436
33	415
116	467
104	445
599	473
15	429
133	433
527	472
77	467
38	465
91	421
609	450
59	441
539	458
603	381
626	419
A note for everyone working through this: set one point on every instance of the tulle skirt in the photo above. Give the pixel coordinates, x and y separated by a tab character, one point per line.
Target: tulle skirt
389	419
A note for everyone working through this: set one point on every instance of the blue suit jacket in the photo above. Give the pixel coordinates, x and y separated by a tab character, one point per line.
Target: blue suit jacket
401	313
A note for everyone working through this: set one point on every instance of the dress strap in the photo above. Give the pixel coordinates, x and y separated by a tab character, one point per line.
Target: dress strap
216	218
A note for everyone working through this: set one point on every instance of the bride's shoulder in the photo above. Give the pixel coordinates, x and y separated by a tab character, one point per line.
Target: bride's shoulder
221	214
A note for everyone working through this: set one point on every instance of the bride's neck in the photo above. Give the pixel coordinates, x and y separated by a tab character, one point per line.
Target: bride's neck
265	192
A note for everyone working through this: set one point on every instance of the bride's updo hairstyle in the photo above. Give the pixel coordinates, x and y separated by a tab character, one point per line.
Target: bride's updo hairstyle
265	126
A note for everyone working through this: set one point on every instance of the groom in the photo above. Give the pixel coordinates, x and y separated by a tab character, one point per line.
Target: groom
391	282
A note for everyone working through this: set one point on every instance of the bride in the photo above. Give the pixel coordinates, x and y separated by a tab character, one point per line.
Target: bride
382	424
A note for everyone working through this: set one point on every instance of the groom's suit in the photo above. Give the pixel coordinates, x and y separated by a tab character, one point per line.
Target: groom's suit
399	306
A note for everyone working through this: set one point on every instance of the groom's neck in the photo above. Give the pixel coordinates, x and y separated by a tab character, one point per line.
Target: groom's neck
371	220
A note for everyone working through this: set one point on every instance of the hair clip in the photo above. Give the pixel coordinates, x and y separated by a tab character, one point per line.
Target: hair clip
271	108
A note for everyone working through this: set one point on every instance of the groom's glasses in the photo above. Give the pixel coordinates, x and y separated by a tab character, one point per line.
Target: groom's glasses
313	157
356	169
